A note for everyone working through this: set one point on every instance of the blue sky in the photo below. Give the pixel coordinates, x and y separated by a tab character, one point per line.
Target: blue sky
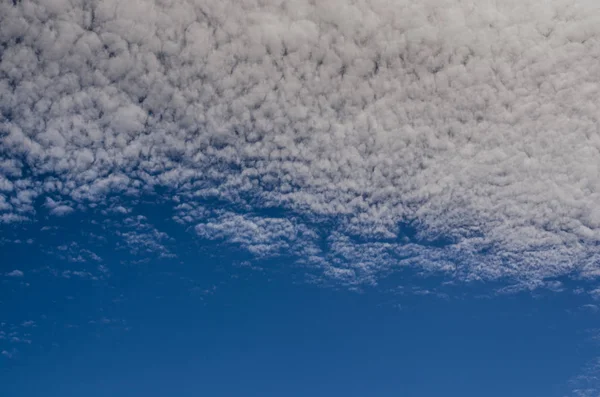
212	320
234	197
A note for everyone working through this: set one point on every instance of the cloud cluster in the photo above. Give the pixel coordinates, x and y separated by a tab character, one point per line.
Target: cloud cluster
12	335
140	237
587	384
474	122
262	236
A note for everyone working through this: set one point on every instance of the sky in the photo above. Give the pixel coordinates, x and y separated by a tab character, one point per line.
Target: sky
291	198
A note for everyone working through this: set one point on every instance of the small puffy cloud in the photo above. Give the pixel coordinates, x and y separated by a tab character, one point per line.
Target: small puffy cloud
58	208
15	273
61	210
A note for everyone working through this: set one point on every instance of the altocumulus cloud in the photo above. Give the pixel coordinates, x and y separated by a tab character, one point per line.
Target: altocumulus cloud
473	122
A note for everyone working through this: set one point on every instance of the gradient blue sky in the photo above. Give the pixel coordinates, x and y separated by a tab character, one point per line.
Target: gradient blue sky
291	198
207	322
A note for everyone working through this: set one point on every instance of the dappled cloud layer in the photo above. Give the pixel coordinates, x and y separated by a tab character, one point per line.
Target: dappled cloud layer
474	122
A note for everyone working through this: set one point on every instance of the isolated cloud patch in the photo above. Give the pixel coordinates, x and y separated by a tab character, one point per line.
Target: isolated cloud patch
57	208
475	122
15	273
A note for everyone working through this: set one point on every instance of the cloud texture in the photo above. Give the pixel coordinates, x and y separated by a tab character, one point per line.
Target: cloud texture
474	123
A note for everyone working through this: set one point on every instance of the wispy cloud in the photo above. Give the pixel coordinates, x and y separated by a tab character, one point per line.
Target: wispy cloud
9	354
141	237
588	383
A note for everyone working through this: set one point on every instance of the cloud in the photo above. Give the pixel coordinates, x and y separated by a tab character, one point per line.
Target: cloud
476	123
262	236
58	208
587	384
15	273
590	307
16	339
77	273
140	237
72	252
595	293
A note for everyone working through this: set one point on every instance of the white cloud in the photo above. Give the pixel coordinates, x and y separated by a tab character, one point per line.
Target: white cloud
262	236
78	273
476	122
590	307
587	384
140	237
595	294
72	252
15	273
58	208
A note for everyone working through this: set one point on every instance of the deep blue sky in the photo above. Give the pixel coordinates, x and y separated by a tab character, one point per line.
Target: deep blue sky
206	323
